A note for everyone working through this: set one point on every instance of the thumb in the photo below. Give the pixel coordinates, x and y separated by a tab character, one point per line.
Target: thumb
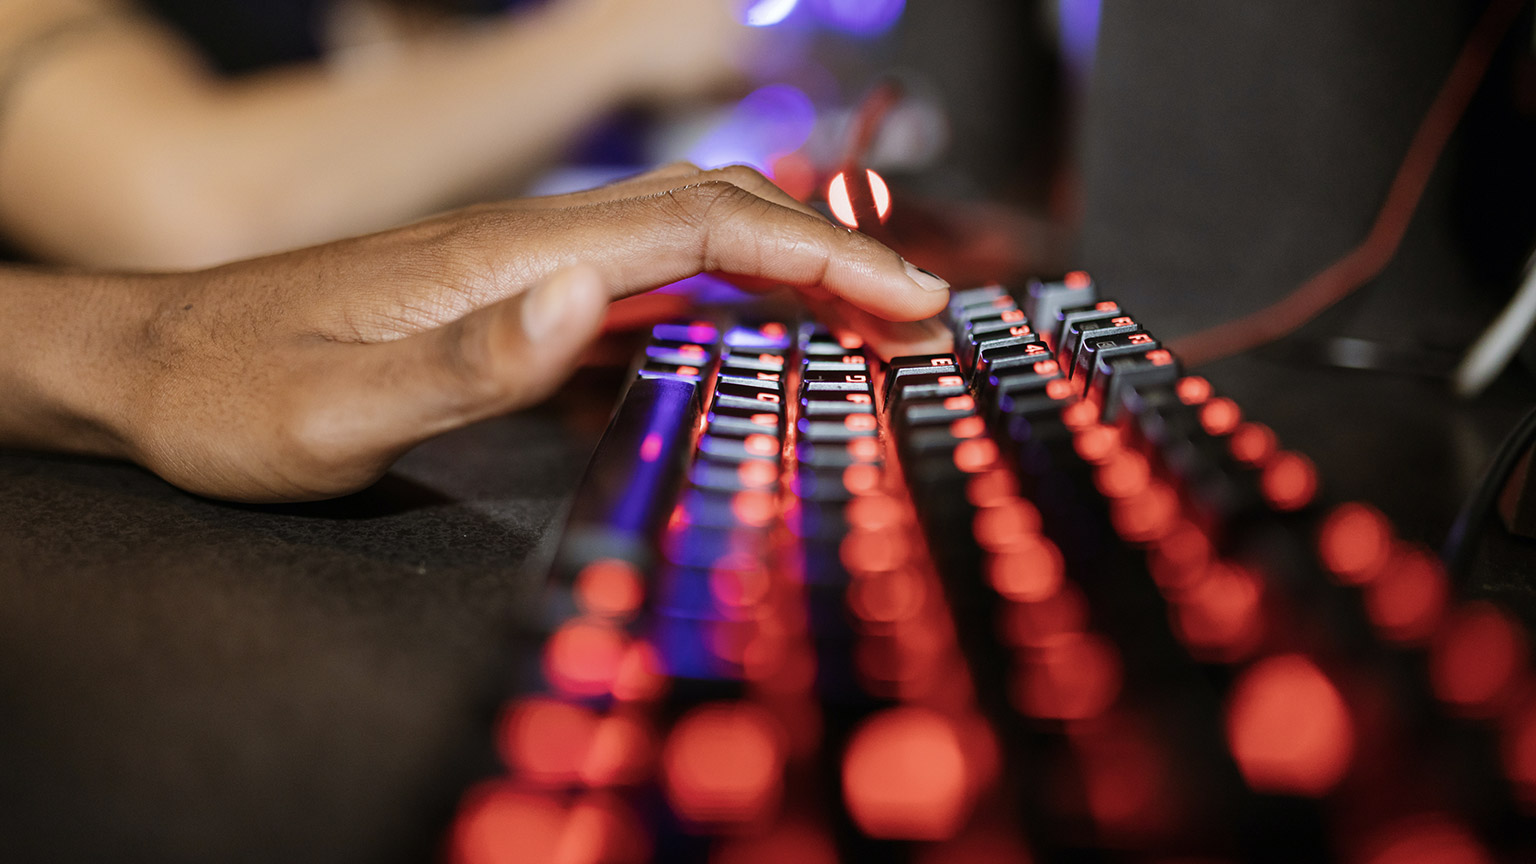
496	359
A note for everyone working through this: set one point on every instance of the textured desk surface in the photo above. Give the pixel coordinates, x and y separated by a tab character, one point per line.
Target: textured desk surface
185	680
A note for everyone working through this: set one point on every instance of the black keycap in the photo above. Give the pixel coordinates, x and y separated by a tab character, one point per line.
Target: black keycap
1044	299
932	385
1095	349
815	404
1094	328
732	449
917	364
624	497
1117	375
933	411
998	359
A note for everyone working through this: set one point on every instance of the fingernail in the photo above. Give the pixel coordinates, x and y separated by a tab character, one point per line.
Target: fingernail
545	306
925	280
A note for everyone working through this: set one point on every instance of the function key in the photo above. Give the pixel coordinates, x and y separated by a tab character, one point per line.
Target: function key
1103	309
1044	299
1093	328
1095	350
1116	376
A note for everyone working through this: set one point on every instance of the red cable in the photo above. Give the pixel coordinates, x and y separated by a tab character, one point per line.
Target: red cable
1381	243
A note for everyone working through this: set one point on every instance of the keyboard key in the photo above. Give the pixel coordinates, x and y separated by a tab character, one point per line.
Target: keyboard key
1043	300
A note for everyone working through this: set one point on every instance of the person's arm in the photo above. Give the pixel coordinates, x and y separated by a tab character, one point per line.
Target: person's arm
304	375
117	148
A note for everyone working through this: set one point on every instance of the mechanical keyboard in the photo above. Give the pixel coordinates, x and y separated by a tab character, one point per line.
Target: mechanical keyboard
1045	598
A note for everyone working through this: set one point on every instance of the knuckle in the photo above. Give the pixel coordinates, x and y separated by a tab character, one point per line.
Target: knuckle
681	166
713	200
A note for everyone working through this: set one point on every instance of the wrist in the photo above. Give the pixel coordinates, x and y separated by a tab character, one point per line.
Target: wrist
68	362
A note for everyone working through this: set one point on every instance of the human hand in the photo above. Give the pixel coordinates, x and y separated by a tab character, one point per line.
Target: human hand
305	375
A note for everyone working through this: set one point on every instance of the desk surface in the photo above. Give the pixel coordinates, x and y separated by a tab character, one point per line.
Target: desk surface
186	680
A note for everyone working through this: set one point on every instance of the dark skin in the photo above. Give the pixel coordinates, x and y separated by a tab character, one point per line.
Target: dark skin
305	375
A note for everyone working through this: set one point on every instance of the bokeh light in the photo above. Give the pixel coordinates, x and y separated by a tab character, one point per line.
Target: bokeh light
766	13
768	123
860	17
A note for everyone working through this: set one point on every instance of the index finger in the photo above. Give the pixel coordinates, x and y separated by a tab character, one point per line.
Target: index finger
717	227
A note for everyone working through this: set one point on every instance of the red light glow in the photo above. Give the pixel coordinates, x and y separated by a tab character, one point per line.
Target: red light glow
1077	280
864	449
754	507
1075	676
1034	625
905	776
1078	415
864	552
1288	728
1029	572
1220	617
998	528
1476	658
497	824
609	587
761	445
874	512
881	193
887	598
1407	598
991	488
1193	390
1181	558
1123	474
975	455
620	753
736	589
756	474
546	741
840	200
1355	542
861	479
1097	443
723	762
967	427
1220	416
1252	443
639	676
582	658
1148	515
1289	481
601	829
650	447
1428	840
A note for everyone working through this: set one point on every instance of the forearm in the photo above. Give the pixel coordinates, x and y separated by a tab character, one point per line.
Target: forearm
323	152
67	381
121	151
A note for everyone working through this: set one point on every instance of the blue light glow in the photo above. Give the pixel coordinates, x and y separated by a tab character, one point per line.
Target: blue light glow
861	17
766	13
1079	33
768	123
